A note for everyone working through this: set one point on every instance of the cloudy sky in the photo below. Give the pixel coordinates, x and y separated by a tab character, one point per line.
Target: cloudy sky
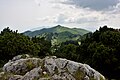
23	15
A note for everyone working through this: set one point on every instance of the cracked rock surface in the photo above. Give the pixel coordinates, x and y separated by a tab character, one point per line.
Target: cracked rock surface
48	68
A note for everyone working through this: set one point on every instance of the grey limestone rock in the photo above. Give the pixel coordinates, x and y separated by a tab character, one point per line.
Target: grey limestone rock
49	68
21	66
33	74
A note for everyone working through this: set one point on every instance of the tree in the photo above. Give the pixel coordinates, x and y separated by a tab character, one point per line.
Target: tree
13	43
102	51
45	46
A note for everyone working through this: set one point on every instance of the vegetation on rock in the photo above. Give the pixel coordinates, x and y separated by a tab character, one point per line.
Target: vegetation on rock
54	69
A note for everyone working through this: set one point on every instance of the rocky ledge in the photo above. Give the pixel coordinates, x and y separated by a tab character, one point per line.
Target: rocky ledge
24	67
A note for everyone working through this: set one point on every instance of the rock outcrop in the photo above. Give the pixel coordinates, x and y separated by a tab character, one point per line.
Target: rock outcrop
48	68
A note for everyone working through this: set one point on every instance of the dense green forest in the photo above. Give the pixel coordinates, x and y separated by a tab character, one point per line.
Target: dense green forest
101	49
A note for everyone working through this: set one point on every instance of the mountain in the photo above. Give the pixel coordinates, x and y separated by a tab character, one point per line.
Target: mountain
56	29
24	67
58	32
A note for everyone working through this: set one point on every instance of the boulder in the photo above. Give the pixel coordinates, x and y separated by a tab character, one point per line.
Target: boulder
72	66
16	77
63	76
49	68
9	76
24	56
21	66
33	74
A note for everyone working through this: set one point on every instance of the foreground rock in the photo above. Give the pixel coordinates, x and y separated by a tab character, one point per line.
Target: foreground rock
49	68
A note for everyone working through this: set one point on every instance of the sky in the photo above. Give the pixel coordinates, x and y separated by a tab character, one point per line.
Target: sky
24	15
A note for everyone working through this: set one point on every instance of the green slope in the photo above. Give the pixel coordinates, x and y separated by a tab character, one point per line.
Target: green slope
56	29
58	34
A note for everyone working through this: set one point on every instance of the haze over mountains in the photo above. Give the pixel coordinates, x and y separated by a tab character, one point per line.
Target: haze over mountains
58	32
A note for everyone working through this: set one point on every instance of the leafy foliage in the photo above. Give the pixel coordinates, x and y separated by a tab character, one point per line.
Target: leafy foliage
13	43
45	46
102	52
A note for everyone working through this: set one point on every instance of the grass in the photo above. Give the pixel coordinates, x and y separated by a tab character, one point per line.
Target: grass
79	75
30	65
1	70
101	78
6	76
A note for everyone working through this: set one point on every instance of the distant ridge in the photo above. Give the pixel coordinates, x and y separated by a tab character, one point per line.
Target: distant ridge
38	28
58	33
56	29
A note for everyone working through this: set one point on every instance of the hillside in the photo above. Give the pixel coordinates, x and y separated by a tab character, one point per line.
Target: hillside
60	33
56	29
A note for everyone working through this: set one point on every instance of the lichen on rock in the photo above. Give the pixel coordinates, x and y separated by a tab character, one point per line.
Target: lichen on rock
48	68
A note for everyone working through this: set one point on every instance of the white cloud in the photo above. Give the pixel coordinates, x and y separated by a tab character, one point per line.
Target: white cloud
32	13
94	4
70	14
116	8
37	2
